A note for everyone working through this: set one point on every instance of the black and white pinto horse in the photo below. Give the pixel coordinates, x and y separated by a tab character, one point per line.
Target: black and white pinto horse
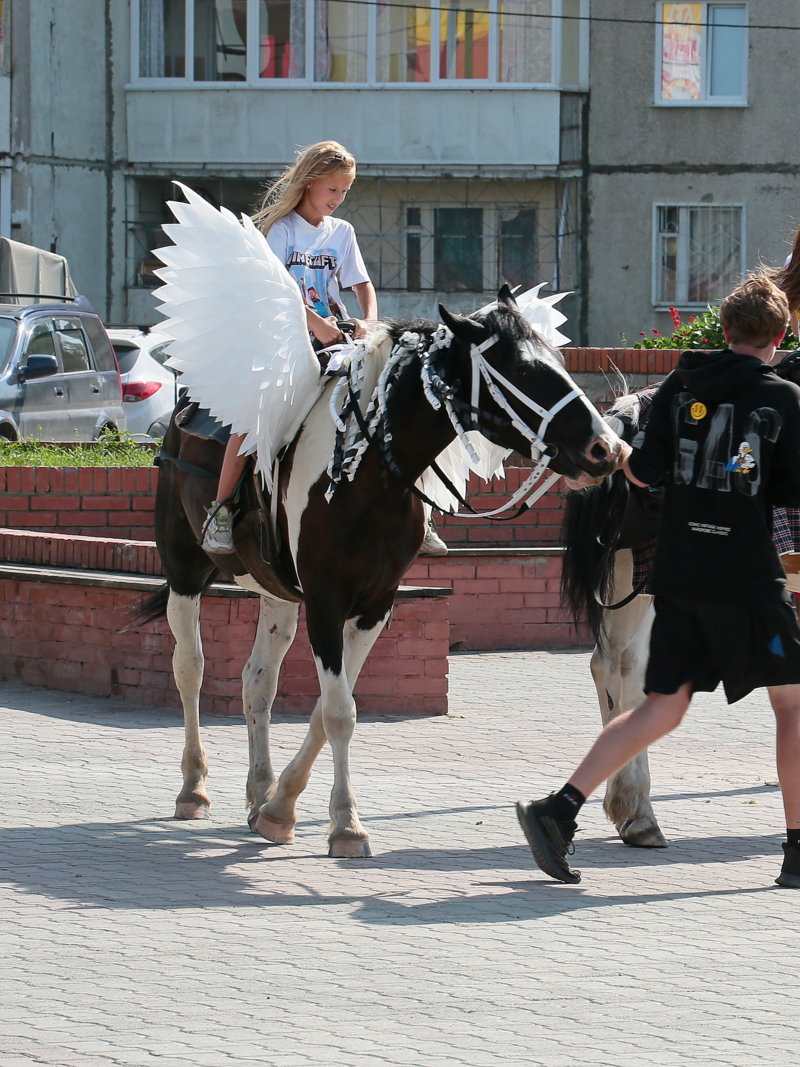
609	540
344	552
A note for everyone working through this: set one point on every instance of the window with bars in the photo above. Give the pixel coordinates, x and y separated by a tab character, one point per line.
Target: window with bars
447	42
701	53
416	235
699	253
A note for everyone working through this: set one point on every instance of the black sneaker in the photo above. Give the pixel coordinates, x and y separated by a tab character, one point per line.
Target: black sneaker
790	871
550	838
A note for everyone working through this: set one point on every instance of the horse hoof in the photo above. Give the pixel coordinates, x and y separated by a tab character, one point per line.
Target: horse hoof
648	836
279	833
190	809
349	848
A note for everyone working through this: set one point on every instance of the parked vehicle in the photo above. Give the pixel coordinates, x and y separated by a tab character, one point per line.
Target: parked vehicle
59	379
149	389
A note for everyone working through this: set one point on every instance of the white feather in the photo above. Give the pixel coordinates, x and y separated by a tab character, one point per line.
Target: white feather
542	315
239	327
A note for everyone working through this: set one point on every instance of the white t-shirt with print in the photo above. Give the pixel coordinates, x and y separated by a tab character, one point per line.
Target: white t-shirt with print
320	259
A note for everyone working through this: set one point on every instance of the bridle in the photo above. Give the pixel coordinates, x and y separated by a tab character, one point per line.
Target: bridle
463	416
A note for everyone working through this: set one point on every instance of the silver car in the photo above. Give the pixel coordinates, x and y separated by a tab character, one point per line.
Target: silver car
59	379
149	389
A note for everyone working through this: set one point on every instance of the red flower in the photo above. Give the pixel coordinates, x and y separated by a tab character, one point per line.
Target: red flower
692	318
676	319
705	341
655	331
642	333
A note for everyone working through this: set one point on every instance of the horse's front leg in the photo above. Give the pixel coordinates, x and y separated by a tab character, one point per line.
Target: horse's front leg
347	837
618	666
277	625
183	616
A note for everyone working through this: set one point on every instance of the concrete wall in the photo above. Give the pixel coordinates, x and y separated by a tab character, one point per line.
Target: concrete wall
65	137
646	153
389	127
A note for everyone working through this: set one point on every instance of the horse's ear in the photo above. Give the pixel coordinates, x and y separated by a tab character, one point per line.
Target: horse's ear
505	296
464	328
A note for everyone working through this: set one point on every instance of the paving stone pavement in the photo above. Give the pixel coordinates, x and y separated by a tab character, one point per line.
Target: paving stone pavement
130	939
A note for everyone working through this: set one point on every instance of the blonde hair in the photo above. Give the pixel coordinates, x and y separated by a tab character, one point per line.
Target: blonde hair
755	312
311	163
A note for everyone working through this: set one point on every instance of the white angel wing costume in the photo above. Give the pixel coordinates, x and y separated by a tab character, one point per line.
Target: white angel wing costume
240	340
239	326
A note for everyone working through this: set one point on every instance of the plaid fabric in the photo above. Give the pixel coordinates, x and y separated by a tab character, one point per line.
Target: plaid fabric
785	521
786	529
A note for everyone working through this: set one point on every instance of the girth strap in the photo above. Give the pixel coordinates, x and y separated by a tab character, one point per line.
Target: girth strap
182	465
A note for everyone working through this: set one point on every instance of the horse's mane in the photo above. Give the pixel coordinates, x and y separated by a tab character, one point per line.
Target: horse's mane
501	319
587	568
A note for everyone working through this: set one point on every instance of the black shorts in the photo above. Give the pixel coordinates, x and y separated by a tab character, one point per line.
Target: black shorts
744	646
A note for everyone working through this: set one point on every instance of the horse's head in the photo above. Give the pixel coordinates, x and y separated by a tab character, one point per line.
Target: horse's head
524	396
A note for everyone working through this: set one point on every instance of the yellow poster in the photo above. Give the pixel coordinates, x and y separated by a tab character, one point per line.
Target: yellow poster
680	51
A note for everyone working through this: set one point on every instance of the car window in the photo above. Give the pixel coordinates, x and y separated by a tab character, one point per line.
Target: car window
41	342
74	351
126	356
160	353
101	346
8	331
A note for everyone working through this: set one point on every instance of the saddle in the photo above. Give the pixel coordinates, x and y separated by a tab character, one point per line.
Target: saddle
256	541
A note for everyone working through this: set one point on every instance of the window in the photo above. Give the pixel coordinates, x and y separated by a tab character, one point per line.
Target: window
101	346
40	342
355	42
702	50
699	254
74	353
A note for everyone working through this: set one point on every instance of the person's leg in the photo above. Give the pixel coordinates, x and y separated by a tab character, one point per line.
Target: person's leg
628	735
232	468
218	530
549	824
785	700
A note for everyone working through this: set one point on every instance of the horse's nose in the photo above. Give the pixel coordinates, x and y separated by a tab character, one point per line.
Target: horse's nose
600	450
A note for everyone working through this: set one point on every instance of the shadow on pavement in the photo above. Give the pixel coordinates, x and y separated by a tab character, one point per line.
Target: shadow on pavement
170	866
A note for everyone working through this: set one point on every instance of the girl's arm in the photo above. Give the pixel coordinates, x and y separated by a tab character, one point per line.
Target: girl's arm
368	302
325	330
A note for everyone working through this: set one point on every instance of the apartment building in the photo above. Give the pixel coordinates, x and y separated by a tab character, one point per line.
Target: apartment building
693	156
465	119
639	152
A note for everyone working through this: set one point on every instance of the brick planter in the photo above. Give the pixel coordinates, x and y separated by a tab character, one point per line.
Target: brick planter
89	501
61	627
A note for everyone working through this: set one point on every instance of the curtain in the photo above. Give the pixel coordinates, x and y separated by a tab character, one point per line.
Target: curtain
151	38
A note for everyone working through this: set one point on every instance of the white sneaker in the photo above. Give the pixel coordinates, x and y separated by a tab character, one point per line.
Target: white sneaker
432	544
218	530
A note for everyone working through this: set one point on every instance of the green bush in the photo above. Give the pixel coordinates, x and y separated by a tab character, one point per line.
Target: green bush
112	450
701	331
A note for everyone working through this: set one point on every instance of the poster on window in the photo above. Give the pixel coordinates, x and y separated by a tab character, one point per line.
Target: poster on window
680	51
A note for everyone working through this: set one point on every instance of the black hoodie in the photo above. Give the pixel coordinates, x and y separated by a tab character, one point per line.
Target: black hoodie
724	430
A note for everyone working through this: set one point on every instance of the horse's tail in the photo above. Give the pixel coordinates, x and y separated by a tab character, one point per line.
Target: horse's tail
590	530
150	607
587	568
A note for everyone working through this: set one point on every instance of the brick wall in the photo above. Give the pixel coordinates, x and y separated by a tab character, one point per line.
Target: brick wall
70	635
501	598
502	601
83	500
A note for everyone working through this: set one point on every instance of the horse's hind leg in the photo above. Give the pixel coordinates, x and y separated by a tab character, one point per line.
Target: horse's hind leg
183	616
277	625
333	718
